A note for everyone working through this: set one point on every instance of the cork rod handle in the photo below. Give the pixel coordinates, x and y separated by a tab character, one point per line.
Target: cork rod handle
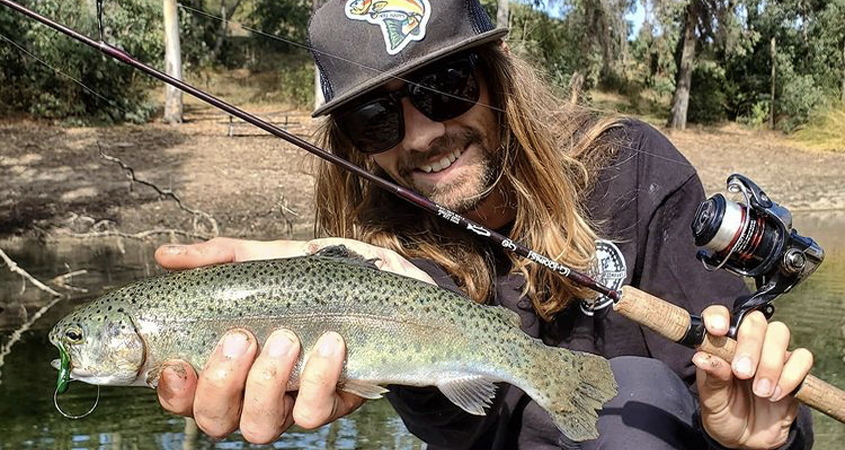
672	321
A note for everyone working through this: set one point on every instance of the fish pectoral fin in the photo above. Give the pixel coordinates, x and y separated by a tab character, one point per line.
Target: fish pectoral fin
471	392
363	389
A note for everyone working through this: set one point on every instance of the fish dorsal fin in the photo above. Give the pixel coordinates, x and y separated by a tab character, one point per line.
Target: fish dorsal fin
363	389
343	254
471	392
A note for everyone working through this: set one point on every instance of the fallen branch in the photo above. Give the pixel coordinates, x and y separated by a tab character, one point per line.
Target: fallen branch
167	193
6	348
63	281
13	266
140	236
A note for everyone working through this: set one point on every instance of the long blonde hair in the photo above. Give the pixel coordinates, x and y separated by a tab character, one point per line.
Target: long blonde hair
548	157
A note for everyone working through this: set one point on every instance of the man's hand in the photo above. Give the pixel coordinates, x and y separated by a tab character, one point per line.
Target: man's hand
747	404
242	386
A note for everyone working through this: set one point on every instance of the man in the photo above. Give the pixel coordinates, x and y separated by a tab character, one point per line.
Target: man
428	95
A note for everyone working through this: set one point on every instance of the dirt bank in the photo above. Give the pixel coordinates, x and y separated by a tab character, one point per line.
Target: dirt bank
258	186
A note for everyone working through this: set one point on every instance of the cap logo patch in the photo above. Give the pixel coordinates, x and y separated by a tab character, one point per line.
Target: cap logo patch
401	21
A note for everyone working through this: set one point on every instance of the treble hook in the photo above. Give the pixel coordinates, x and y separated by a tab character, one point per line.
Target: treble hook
71	416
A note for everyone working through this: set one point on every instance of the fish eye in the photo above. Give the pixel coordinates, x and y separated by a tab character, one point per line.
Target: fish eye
74	335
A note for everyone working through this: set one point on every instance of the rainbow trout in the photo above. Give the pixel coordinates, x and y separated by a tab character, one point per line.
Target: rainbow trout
398	330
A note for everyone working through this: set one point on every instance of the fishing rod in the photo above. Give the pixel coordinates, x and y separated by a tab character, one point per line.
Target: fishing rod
666	319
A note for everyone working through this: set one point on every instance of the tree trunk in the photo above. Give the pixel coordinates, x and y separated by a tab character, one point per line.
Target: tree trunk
226	14
502	14
221	35
772	105
173	63
576	83
683	82
318	90
843	73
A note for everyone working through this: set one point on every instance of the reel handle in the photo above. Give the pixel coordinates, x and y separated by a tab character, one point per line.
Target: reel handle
673	322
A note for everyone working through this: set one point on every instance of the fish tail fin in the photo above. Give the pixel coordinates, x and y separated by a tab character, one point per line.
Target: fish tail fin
573	395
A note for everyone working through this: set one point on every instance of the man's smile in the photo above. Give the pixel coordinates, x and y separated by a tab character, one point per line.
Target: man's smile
442	163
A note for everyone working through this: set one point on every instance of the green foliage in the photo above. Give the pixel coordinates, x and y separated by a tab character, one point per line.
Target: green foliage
34	88
707	100
296	84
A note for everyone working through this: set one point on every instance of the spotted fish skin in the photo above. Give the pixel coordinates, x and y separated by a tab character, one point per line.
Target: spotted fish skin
397	330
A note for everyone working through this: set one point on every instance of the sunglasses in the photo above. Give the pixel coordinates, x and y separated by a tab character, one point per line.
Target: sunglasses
442	92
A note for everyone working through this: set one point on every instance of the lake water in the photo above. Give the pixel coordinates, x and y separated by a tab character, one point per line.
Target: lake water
131	418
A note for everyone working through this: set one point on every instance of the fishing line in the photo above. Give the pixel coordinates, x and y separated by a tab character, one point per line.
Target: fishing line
390	186
71	416
332	56
378	71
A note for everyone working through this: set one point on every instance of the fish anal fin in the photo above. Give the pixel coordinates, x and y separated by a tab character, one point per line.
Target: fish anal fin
472	393
363	389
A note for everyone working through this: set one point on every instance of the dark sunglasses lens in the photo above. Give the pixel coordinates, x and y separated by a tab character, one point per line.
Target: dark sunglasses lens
372	127
447	92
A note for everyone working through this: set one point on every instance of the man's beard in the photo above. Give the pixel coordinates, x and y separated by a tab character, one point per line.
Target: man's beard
465	192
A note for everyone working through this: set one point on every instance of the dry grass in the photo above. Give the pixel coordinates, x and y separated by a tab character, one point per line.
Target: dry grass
825	132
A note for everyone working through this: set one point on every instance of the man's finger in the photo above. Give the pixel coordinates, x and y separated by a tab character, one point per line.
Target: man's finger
267	410
794	371
716	319
224	250
771	359
714	379
217	405
749	345
317	402
176	387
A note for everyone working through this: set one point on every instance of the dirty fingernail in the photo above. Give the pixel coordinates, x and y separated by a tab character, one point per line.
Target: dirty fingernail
742	365
763	387
329	345
279	344
718	323
235	344
174	249
174	379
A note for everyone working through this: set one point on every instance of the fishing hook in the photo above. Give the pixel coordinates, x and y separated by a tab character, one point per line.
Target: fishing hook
71	416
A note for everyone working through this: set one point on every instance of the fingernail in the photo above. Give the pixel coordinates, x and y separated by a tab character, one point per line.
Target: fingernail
235	344
329	345
279	344
763	388
174	249
718	323
742	366
175	378
777	395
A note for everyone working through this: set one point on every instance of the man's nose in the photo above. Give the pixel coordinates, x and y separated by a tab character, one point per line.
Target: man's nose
420	131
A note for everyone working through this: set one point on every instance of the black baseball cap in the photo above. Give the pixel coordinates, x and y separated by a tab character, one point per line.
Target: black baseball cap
358	45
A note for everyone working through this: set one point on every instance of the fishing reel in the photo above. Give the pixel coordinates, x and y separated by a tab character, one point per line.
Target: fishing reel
753	238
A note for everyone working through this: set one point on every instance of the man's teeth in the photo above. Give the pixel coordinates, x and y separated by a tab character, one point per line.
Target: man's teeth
444	163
